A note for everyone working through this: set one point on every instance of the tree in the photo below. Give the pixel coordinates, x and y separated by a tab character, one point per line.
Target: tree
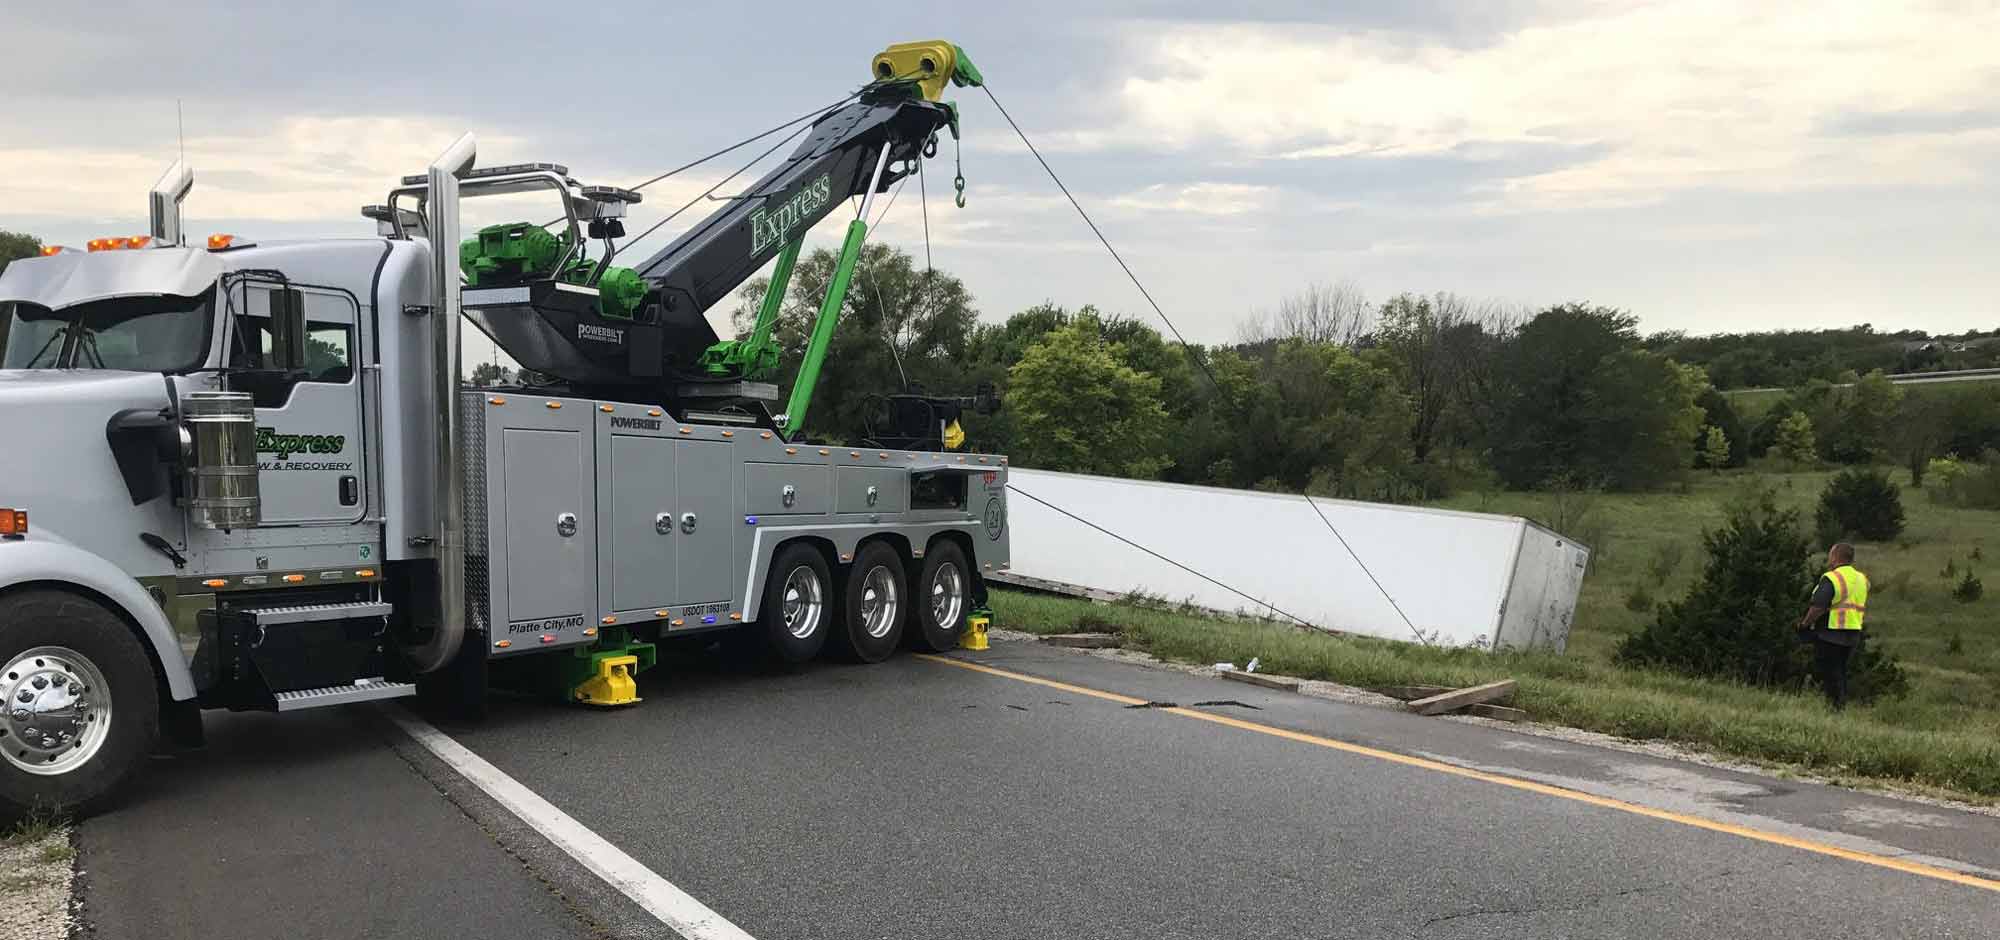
1795	444
898	325
1413	333
1715	449
1718	412
488	374
1861	426
1580	400
15	246
1077	408
1859	502
1317	313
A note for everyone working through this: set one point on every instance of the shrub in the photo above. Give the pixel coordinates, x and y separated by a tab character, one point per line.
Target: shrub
1968	589
1968	484
1957	645
1736	622
1640	600
1862	503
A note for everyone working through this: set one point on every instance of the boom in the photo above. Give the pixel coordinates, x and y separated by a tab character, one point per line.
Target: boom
664	341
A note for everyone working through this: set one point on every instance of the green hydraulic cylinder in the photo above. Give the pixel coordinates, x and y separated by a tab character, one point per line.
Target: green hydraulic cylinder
829	313
774	295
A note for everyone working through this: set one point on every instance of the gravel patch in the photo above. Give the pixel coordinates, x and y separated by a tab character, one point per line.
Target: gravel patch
35	879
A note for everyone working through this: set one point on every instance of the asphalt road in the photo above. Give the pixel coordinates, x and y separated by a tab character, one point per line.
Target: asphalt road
920	799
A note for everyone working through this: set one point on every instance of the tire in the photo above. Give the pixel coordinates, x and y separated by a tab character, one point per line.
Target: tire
798	605
942	599
66	750
874	605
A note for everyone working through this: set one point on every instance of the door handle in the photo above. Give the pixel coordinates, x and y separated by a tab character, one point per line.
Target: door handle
687	522
663	523
350	490
566	524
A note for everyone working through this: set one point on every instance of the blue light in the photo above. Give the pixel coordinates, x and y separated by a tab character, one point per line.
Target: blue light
749	520
708	619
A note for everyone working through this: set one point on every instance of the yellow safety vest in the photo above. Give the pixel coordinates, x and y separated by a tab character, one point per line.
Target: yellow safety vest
1850	598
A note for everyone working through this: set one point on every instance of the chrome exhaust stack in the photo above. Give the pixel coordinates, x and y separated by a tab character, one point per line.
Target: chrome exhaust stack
163	204
448	509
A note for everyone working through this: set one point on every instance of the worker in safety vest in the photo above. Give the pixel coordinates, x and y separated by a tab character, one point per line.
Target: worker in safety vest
1833	620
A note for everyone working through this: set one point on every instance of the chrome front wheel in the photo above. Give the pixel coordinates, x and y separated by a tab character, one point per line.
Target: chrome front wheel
57	713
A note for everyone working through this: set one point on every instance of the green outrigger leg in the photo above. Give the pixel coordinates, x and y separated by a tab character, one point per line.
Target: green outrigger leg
829	313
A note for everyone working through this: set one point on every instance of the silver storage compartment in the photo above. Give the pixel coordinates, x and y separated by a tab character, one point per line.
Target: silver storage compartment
222	475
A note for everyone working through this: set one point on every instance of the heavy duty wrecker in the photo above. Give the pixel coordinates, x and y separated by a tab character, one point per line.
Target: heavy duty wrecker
248	476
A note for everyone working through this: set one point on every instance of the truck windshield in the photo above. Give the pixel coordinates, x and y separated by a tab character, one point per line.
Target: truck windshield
137	334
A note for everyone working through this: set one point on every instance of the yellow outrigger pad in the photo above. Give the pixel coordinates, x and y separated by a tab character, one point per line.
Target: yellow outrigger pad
974	637
612	685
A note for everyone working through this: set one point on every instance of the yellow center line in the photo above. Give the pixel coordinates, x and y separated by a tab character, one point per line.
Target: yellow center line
1805	845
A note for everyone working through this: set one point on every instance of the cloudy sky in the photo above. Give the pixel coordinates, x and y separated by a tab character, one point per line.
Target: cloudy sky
1709	166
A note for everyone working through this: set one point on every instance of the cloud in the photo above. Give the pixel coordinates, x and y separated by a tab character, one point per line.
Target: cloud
1199	198
302	168
1670	95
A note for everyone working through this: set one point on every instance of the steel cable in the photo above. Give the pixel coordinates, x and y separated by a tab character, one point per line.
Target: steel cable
1197	359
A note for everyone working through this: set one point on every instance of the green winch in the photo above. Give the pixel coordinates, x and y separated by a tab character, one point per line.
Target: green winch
511	252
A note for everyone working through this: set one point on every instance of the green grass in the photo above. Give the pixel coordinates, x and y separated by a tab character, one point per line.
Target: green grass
33	827
1944	736
1751	403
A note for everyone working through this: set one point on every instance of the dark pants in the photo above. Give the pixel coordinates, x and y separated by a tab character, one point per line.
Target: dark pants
1830	666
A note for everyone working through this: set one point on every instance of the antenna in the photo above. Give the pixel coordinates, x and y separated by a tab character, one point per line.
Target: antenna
180	130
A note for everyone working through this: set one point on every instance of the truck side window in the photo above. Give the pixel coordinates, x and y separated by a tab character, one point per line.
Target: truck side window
324	354
327	352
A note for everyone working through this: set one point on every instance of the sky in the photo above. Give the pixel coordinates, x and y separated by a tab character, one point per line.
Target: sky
1708	166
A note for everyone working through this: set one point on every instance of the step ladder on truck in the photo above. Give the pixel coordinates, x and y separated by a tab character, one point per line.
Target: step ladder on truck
247	475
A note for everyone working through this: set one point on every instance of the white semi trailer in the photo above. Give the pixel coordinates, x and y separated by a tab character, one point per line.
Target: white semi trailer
248	476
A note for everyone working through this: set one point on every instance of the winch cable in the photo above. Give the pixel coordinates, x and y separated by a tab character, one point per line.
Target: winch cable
1188	348
800	120
809	115
719	184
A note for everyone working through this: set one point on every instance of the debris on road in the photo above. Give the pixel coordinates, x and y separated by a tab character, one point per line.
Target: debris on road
1457	699
1083	641
1409	692
1265	679
1497	712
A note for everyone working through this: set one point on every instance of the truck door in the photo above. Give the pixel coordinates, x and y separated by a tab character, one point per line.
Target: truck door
301	343
705	481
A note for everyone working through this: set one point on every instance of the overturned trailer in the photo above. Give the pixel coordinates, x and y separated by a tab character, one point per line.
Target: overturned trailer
1461	579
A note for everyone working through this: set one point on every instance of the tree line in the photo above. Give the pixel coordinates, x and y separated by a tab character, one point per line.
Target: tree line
1334	394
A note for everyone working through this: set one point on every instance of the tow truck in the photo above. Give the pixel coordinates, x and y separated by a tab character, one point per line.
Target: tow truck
248	475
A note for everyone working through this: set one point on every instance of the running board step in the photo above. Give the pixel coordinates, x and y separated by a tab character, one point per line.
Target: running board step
316	613
366	690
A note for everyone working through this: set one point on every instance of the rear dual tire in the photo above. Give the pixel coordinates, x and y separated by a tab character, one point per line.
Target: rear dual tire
943	599
875	605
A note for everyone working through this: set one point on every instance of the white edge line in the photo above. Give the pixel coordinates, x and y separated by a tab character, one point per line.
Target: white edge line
674	907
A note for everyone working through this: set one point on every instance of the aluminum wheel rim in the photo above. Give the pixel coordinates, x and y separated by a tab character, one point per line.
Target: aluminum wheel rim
947	595
57	711
804	599
879	601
